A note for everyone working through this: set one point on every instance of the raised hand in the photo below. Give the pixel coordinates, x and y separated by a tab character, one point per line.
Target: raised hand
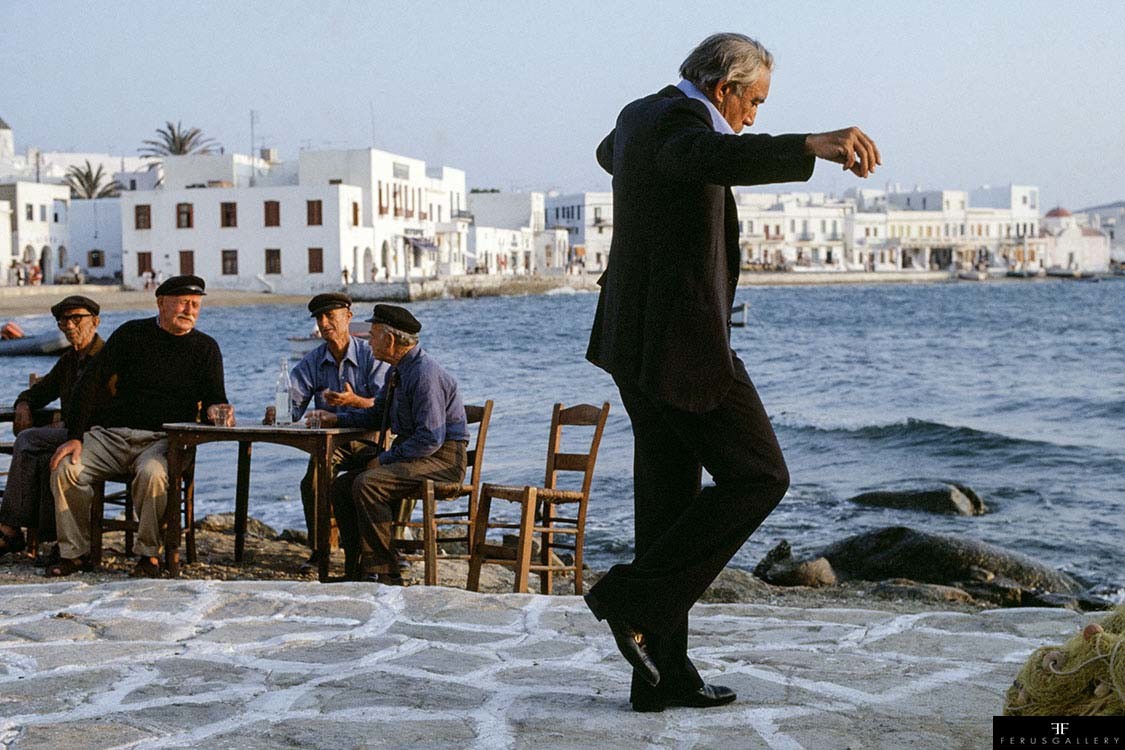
850	147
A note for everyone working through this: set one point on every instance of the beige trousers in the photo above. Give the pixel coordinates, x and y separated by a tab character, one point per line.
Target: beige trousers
108	453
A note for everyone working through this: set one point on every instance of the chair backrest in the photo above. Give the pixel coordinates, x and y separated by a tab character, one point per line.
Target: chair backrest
581	415
480	416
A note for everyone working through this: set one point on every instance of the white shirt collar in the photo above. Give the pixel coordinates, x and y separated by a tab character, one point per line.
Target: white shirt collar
717	121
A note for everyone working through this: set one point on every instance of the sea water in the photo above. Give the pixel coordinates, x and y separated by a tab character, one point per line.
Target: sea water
1016	388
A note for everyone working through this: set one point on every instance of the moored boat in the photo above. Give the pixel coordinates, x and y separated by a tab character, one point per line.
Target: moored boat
42	343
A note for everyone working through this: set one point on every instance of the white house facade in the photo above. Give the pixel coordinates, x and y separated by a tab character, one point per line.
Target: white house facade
329	219
588	220
40	226
95	237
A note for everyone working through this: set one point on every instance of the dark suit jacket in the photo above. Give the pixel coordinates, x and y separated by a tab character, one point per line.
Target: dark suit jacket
662	317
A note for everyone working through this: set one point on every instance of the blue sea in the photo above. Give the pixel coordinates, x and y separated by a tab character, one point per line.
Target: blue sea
1014	388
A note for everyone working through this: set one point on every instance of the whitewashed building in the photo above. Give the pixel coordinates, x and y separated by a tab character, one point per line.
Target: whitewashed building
587	219
40	226
1109	218
95	237
7	272
1072	248
328	219
509	235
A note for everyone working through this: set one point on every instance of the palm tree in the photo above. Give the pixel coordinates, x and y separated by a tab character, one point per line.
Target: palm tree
86	182
174	140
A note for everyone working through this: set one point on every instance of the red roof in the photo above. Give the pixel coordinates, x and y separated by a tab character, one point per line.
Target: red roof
1057	213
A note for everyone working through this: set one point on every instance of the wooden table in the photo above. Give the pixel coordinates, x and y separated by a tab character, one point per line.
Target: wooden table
184	437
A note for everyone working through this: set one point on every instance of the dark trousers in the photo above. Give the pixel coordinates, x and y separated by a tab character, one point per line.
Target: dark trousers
307	502
27	497
365	502
685	535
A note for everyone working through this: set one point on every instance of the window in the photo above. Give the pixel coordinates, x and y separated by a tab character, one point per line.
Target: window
315	213
187	262
273	260
144	263
43	212
132	184
95	259
316	259
273	213
230	263
355	214
142	216
228	214
184	216
30	212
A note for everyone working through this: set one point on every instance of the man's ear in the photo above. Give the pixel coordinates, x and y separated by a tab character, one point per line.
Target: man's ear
720	92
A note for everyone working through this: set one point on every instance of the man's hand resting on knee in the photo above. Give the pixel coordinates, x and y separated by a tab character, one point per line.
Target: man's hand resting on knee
72	448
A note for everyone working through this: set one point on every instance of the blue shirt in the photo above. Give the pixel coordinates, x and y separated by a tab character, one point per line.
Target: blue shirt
318	371
426	409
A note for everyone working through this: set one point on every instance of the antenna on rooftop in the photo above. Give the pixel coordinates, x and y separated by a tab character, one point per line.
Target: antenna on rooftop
253	164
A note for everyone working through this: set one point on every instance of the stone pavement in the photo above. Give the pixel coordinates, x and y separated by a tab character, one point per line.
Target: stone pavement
186	664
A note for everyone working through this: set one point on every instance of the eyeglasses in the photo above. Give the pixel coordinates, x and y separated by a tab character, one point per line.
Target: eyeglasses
75	319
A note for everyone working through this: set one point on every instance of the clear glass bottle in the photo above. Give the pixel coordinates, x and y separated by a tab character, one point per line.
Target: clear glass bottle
281	397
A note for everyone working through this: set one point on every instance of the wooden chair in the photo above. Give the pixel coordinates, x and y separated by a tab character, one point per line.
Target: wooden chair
537	509
424	545
99	524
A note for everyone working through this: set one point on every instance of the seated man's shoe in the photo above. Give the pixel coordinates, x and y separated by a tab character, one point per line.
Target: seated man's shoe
387	579
146	567
707	696
310	565
632	645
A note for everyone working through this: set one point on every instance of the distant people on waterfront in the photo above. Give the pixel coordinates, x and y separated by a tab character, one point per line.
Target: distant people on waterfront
420	403
147	277
151	371
661	330
27	499
340	376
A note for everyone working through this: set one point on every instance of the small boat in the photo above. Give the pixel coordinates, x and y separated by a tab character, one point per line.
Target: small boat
1058	272
50	342
973	275
738	315
299	346
1025	273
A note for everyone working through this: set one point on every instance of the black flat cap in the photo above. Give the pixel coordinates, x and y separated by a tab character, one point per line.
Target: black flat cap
181	285
75	302
395	317
322	303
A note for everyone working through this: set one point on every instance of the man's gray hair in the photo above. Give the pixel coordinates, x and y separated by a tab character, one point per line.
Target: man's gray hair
402	338
734	57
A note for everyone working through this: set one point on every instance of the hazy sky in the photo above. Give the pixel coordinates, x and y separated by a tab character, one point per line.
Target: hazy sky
518	94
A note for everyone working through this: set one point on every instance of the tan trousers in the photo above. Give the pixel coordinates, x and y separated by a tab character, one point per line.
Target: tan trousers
108	453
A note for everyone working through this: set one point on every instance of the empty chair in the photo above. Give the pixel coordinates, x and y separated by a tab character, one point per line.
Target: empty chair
424	545
539	508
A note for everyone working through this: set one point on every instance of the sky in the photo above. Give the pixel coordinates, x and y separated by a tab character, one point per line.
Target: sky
518	94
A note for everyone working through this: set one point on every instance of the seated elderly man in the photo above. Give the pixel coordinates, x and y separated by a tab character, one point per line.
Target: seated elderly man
27	499
339	376
151	371
420	403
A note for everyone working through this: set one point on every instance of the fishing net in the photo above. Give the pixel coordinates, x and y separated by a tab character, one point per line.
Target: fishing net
1084	677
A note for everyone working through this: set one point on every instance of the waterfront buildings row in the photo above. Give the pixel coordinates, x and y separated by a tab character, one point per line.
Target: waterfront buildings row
337	217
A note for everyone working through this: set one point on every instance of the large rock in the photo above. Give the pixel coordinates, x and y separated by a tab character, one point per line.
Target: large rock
936	497
900	552
224	523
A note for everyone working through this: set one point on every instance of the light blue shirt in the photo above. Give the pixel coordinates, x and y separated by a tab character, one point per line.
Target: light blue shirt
318	371
718	122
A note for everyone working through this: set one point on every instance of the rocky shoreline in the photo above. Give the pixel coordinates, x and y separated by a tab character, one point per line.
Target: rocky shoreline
273	556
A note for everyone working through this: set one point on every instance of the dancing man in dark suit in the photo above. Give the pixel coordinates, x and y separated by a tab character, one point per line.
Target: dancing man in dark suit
661	331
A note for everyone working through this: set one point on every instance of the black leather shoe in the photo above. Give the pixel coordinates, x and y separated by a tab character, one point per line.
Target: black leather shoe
387	579
631	643
311	564
708	696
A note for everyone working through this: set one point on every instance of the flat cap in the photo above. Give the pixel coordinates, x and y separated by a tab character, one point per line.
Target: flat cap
75	302
178	286
395	317
322	303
